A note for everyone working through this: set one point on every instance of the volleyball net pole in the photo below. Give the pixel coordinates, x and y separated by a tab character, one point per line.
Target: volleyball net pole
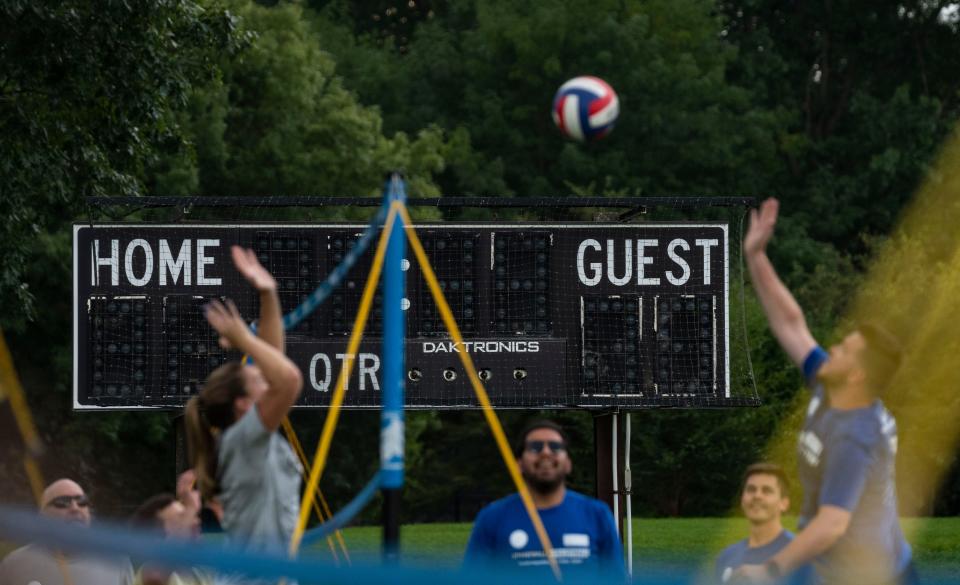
391	412
336	400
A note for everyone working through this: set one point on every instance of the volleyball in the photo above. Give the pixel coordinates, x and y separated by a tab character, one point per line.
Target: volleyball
585	108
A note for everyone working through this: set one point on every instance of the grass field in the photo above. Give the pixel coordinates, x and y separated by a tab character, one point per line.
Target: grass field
663	543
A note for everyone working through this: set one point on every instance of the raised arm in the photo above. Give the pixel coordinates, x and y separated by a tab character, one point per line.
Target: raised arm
283	378
270	326
784	315
188	494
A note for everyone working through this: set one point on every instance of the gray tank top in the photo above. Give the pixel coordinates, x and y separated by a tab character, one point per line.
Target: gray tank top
259	485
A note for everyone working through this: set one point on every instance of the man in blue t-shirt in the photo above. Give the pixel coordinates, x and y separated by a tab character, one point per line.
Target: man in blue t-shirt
763	499
581	529
847	449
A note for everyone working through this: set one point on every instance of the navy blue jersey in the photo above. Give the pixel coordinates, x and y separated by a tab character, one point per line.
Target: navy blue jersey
741	553
847	459
581	530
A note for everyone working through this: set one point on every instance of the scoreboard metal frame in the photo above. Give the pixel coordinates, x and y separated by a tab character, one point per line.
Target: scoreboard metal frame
136	312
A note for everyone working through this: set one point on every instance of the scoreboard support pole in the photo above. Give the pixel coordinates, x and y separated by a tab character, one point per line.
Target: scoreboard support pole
391	414
604	426
628	494
181	455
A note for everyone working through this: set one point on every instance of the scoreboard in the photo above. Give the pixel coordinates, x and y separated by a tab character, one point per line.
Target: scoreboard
580	315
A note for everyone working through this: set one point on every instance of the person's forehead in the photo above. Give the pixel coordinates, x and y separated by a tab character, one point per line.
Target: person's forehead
761	479
63	488
544	434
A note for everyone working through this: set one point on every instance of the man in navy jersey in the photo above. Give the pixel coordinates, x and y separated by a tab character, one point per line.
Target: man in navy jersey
848	522
763	499
581	529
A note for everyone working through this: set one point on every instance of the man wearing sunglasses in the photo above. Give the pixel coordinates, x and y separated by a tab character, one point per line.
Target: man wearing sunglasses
63	500
581	529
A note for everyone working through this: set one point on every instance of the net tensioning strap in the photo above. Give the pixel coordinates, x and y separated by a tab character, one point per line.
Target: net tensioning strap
298	449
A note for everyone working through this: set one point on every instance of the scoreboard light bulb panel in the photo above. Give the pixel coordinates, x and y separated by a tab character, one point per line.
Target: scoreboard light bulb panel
685	354
520	262
345	301
612	345
290	256
454	258
192	348
119	330
553	315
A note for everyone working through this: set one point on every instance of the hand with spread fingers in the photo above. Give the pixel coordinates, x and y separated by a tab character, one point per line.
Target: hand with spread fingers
228	322
251	269
762	223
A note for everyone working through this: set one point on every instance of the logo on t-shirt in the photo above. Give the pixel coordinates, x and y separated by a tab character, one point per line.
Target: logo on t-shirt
813	406
810	448
519	539
576	539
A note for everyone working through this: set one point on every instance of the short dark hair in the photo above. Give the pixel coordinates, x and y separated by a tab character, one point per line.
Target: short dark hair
532	426
145	516
882	356
767	469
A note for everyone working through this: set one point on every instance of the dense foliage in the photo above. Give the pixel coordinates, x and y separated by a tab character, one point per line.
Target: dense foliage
837	110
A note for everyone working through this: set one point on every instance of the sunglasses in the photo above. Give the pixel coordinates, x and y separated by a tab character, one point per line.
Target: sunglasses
63	502
537	446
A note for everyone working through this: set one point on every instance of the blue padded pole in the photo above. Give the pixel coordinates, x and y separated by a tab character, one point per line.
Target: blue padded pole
391	417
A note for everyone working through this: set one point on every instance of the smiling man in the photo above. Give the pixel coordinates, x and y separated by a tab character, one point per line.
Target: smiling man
764	499
63	500
581	529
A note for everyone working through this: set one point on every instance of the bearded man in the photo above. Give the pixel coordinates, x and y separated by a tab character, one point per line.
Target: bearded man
581	529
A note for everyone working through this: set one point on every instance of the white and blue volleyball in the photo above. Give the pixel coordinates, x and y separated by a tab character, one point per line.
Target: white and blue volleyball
585	108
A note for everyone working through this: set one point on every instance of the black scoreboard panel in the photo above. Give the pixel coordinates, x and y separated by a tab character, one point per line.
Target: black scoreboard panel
574	315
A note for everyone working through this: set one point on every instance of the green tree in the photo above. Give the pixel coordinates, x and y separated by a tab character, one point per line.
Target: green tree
280	122
157	106
492	69
871	95
86	97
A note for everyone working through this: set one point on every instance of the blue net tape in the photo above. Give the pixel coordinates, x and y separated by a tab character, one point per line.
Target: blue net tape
114	540
345	514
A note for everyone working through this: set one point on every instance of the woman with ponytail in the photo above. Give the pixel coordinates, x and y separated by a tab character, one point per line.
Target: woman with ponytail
231	425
